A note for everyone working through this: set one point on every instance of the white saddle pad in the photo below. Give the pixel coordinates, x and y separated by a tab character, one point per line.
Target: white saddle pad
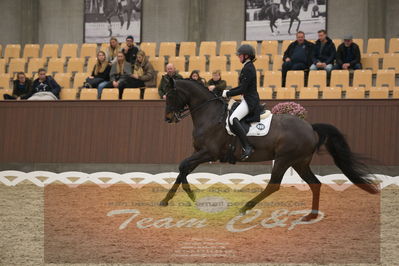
257	129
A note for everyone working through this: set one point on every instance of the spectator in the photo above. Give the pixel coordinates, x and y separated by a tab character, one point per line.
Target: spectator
112	50
22	88
348	55
100	75
298	56
119	74
131	50
44	88
194	76
171	73
216	84
324	53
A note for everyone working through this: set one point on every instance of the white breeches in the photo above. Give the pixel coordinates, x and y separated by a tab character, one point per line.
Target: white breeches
241	111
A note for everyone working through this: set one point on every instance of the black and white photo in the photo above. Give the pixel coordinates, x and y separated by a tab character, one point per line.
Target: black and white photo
117	18
281	19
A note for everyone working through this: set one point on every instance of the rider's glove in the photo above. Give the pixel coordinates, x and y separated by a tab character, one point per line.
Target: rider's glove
224	94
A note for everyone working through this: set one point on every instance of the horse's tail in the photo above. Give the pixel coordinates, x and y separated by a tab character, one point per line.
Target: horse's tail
349	163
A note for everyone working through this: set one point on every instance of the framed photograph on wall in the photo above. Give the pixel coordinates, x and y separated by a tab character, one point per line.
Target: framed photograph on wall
281	19
117	18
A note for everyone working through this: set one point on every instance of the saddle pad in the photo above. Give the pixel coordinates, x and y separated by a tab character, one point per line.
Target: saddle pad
257	129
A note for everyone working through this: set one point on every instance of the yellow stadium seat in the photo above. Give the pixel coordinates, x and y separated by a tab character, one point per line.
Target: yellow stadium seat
265	93
231	78
337	42
56	65
332	93
5	91
34	65
217	63
90	64
69	50
355	93
88	50
379	93
149	48
206	75
68	94
285	93
395	94
386	78
197	63
185	74
285	45
272	79
376	46
254	44
188	49
178	62
394	45
158	63
151	94
63	79
317	79
50	51
235	64
340	79
207	48
5	81
228	48
277	63
167	49
295	79
1	50
159	77
31	51
79	79
89	94
360	43
17	65
269	48
110	94
391	62
2	65
362	78
262	63
131	94
104	46
12	51
75	65
309	93
370	62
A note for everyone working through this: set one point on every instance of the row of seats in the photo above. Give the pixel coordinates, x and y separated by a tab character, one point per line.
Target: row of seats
222	63
375	46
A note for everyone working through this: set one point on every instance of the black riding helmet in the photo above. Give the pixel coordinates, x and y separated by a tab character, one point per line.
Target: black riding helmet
246	49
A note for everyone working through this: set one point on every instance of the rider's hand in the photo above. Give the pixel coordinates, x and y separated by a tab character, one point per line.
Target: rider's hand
224	94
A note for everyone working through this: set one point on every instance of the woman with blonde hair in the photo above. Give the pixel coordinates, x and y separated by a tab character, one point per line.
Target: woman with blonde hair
120	73
100	75
143	73
113	50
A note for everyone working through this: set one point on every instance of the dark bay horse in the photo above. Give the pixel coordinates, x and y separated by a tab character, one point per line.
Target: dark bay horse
113	8
272	13
291	142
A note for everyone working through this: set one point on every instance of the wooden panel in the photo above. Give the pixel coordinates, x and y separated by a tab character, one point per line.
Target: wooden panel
135	131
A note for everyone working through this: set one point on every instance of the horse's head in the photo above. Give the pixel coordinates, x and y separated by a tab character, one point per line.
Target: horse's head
175	103
305	5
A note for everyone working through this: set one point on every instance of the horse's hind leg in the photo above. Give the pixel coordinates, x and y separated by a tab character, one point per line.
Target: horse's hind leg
299	24
186	167
279	168
303	169
289	29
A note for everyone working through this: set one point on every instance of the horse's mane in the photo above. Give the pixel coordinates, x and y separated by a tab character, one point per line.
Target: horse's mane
198	85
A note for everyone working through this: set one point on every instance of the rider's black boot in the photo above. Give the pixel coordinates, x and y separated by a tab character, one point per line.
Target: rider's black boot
240	132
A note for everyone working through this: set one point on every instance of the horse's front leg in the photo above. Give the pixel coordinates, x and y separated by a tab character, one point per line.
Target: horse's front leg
299	24
289	29
186	167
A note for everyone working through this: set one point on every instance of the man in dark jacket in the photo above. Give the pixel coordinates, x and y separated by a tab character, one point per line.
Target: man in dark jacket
170	74
348	55
45	87
216	84
22	88
324	53
249	107
298	56
131	50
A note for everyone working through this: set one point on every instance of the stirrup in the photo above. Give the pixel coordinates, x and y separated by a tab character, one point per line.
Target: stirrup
247	153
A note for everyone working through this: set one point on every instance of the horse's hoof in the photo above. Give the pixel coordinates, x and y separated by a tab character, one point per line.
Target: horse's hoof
163	203
310	216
